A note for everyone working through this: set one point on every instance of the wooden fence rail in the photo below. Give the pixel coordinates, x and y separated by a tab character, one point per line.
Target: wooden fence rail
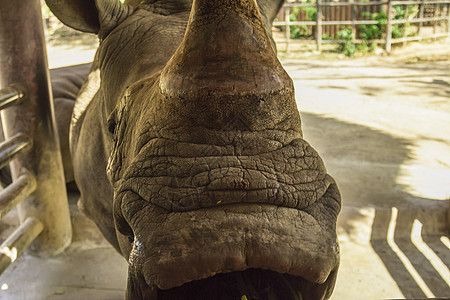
419	17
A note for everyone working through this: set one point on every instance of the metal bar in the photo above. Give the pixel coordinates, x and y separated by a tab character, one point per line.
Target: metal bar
10	96
23	59
16	192
287	14
14	245
12	147
319	25
389	28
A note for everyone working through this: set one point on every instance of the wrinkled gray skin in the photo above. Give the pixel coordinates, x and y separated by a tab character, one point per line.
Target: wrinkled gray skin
192	161
66	83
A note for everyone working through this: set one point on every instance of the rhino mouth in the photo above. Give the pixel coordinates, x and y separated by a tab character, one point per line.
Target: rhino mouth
192	221
177	253
250	284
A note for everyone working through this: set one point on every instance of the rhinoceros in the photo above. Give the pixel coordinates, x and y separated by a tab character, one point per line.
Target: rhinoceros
66	83
188	152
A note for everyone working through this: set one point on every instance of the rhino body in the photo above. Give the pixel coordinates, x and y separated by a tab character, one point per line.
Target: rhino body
66	83
188	153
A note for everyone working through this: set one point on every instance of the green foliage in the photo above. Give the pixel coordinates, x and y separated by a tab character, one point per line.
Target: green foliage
311	11
370	32
347	48
326	37
376	31
367	33
302	31
299	31
373	31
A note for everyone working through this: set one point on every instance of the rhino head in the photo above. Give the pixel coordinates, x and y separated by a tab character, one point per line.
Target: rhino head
189	156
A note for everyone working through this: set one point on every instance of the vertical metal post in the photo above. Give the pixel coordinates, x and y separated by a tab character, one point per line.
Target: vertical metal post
319	26
23	64
287	19
421	11
389	28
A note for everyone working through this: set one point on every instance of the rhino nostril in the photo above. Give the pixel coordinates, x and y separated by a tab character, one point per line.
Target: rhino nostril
131	238
121	224
112	126
126	230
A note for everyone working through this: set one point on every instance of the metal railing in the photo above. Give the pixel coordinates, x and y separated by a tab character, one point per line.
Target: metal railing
353	22
31	145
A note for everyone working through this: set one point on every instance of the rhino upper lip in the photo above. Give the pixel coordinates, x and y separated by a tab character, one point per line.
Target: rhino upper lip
179	197
190	183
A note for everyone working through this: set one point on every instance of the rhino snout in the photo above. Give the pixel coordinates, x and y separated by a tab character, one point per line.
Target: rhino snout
212	179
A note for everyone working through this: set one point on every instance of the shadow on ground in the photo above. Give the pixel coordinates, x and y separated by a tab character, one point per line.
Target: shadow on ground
346	69
366	163
365	173
419	265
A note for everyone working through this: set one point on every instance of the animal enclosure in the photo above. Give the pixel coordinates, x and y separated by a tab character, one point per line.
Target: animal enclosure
362	22
31	143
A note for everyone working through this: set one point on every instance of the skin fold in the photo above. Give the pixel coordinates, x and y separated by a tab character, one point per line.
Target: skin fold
188	152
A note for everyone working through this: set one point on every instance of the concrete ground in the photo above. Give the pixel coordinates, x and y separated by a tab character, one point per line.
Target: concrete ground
382	126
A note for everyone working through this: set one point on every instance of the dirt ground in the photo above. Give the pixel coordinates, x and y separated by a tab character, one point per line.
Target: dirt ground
382	126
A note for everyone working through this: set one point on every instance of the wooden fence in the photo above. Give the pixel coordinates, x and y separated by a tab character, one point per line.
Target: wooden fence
334	16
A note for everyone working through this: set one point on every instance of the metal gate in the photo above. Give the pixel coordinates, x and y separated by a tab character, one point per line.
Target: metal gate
31	141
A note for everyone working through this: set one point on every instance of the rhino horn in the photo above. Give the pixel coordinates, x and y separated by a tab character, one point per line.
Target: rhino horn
225	51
